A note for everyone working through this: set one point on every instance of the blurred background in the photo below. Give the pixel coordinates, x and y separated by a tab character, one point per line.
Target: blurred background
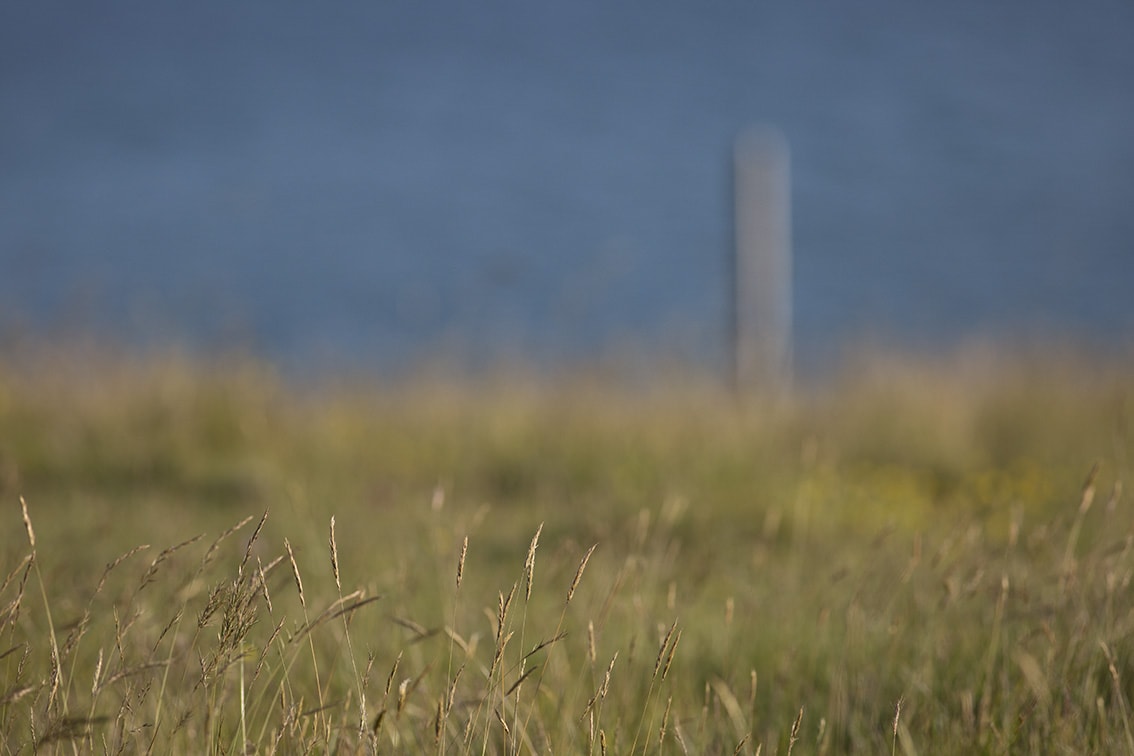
372	184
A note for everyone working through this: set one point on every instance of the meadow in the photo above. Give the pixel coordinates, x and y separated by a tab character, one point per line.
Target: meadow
927	555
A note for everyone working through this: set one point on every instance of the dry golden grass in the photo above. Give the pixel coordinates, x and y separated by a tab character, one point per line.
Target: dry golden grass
926	558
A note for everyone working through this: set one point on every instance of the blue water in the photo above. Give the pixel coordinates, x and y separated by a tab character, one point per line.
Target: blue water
375	182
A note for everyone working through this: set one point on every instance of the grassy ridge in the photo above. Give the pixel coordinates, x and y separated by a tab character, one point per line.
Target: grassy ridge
919	557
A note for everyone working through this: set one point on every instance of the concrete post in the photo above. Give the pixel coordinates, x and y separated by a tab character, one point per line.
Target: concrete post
762	338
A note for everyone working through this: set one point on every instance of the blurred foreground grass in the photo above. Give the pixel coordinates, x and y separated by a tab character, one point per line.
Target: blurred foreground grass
918	557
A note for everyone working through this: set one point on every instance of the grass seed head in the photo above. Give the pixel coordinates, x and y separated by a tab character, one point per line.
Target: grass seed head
393	674
529	564
335	556
461	561
579	573
251	542
662	648
295	573
27	524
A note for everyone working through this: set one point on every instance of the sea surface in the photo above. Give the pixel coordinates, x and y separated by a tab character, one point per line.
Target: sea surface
375	183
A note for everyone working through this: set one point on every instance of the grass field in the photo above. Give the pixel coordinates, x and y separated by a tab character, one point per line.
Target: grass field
919	556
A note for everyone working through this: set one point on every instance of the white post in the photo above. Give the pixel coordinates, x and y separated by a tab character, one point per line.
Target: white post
762	346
